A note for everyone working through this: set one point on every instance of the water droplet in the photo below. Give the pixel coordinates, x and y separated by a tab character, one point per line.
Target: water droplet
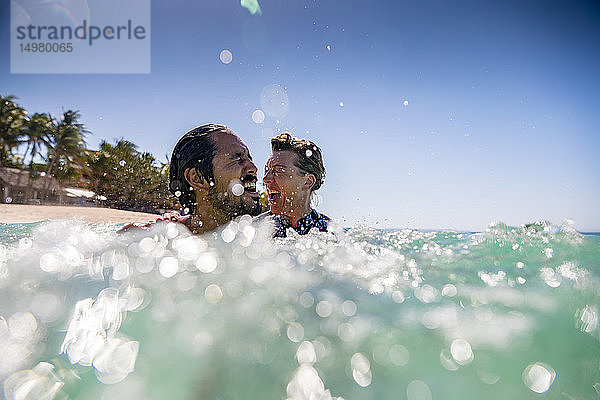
39	382
258	116
306	299
348	308
177	193
308	153
426	293
418	390
206	262
237	189
228	235
115	360
361	369
274	101
550	276
447	361
225	56
461	351
213	293
405	103
147	245
50	262
399	355
122	163
22	325
328	47
168	267
346	332
586	319
489	378
538	377
341	104
306	353
449	290
324	309
397	296
25	243
295	332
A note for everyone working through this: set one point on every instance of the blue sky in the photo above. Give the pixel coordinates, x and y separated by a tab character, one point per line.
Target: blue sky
502	120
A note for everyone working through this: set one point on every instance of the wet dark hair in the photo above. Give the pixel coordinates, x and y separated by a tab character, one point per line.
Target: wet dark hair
196	149
310	158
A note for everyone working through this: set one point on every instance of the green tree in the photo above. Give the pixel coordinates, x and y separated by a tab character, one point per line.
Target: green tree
128	178
97	166
37	134
12	119
67	145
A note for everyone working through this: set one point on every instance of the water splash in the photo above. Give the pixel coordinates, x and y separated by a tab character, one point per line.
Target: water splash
365	313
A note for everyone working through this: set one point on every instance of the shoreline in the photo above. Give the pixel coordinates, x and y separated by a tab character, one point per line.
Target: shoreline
25	213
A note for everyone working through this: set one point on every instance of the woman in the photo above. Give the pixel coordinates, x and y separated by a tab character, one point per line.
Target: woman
293	172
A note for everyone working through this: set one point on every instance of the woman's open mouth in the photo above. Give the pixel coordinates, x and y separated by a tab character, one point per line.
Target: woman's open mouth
274	196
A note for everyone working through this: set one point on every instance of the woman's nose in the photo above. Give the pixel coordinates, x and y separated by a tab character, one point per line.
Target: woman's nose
268	177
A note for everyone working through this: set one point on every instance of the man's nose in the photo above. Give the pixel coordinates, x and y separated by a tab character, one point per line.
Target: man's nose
250	167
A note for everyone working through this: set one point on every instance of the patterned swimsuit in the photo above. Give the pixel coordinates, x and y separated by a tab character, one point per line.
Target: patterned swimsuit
312	220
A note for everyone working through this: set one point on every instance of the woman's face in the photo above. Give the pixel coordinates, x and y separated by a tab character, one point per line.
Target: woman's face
285	182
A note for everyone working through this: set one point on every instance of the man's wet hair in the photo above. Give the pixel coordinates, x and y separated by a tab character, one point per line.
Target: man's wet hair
196	149
310	157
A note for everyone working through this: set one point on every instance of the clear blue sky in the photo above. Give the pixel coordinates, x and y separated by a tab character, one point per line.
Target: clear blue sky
502	121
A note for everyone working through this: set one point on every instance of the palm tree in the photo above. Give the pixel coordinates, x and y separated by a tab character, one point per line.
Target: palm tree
38	133
68	142
12	118
126	177
97	168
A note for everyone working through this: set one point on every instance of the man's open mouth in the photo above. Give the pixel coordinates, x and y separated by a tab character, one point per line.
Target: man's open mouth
249	183
250	186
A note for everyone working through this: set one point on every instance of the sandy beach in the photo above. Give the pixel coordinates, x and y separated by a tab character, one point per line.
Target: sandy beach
18	213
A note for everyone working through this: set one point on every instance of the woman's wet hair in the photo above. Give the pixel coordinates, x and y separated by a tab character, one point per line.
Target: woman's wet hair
196	149
310	157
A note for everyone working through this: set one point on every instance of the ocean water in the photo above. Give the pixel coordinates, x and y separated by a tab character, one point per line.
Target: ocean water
506	313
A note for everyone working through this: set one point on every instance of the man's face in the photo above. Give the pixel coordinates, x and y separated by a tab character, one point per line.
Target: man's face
234	191
284	181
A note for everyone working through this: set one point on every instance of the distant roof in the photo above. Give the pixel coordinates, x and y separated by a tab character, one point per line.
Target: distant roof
20	178
77	192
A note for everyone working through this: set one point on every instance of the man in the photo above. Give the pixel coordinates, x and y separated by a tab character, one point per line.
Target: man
293	172
214	178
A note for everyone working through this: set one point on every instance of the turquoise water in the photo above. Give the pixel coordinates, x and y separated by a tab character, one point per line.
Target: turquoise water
511	312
